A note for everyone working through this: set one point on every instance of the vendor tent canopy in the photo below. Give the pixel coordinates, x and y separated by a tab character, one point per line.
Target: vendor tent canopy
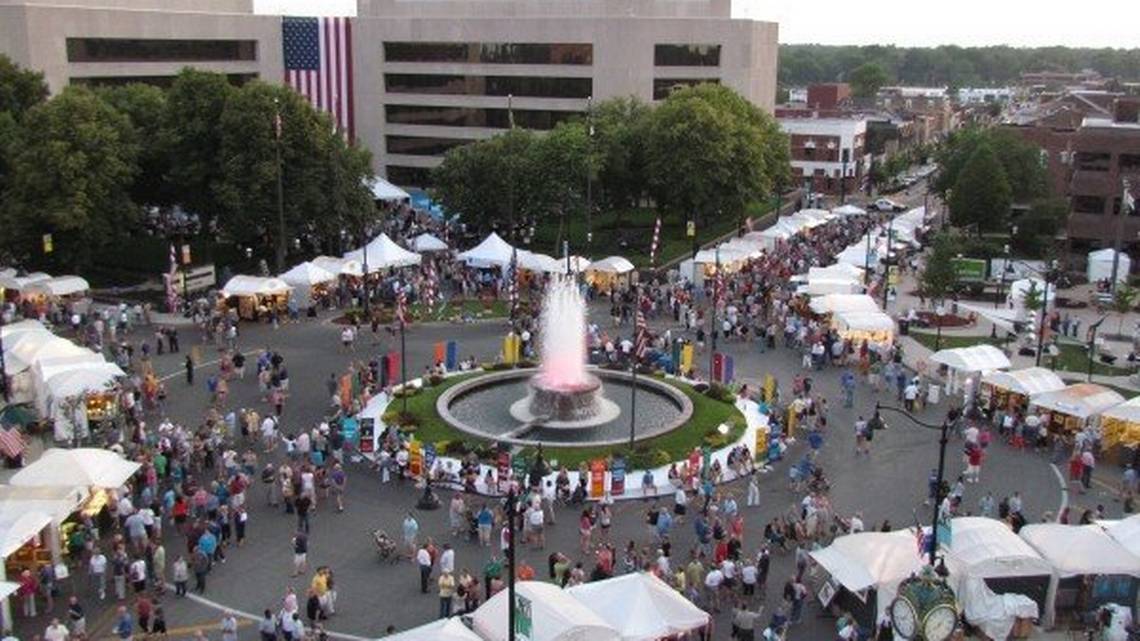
57	502
864	322
1082	400
425	242
849	210
80	467
339	266
492	252
383	190
879	560
12	330
442	630
59	286
825	286
977	358
1120	425
306	275
1019	288
857	256
20	282
832	303
611	265
30	348
1126	532
255	286
1074	550
1100	265
579	263
640	606
555	616
81	381
536	262
384	253
1027	382
844	270
19	527
987	548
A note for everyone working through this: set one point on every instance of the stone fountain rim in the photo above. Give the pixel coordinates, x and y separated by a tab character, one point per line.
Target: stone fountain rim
443	406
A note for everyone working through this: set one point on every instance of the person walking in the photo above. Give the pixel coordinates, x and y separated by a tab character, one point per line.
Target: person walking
229	627
446	593
423	561
124	625
753	499
76	616
181	574
300	552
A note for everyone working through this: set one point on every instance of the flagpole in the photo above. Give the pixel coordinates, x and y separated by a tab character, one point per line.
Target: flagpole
280	188
718	282
633	387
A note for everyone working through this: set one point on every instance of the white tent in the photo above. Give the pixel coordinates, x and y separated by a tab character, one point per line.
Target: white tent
743	247
1082	400
842	270
59	286
303	277
1076	550
442	630
13	330
875	322
19	527
611	265
80	467
556	616
976	358
383	190
849	210
987	548
255	286
339	266
641	607
1126	532
836	285
1100	265
492	252
879	560
536	262
31	347
69	418
579	263
425	242
1026	382
384	253
1126	412
857	255
1018	290
48	366
20	282
833	303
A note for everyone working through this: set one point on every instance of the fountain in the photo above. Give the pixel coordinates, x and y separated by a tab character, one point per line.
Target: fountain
563	394
565	402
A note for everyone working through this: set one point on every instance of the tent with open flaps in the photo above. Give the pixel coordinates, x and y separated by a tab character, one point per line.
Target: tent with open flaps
611	265
339	266
641	607
1100	265
58	286
1012	391
987	549
554	613
876	561
79	467
1120	425
1126	532
835	303
19	283
304	278
976	358
254	286
383	253
492	252
1081	401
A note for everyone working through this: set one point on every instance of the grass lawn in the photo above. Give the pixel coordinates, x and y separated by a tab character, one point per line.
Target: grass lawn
629	234
1073	357
708	413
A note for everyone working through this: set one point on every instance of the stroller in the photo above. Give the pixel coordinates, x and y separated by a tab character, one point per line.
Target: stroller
385	546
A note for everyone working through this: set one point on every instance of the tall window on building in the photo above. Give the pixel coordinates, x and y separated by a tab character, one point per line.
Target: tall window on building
172	50
497	53
680	55
662	87
518	86
474	117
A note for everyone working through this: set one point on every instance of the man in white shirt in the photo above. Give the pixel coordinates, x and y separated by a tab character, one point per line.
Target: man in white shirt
56	631
423	560
713	580
447	560
535	520
98	569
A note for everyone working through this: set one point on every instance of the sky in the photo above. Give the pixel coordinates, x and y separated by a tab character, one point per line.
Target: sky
1020	23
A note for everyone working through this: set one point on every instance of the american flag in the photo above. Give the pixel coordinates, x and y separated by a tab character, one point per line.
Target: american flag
641	335
431	287
718	283
318	65
401	306
513	282
169	277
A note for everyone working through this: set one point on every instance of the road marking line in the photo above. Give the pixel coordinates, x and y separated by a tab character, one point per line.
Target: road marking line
1064	490
253	617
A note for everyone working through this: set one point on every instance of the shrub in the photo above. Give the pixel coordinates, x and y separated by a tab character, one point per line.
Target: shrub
434	380
404	420
720	393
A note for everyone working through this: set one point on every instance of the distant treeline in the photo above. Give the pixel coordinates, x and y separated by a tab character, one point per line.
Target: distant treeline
949	65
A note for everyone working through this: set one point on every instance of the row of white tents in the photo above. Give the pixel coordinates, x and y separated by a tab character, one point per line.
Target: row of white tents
54	374
43	284
997	575
630	607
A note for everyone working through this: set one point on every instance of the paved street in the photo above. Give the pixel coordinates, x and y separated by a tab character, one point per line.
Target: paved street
890	484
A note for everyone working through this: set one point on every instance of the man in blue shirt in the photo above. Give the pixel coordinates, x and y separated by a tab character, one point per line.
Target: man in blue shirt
124	625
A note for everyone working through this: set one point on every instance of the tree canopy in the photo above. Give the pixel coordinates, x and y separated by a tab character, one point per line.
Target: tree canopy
981	197
1020	161
939	275
866	79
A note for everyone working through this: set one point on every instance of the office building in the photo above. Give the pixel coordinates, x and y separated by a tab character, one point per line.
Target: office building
829	155
421	76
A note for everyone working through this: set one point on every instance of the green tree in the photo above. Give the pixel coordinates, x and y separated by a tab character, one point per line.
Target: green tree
981	196
195	104
72	166
1122	301
939	275
474	180
621	130
20	89
315	172
1037	228
145	106
1020	160
866	79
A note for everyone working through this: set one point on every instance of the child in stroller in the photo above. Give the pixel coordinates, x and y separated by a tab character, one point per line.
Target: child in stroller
385	546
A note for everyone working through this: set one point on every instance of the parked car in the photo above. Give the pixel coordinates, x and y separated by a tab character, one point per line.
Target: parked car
886	204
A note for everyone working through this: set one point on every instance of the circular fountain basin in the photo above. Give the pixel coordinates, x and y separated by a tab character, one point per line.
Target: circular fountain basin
514	407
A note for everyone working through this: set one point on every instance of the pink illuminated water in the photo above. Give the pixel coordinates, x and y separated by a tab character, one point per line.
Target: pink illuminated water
563	337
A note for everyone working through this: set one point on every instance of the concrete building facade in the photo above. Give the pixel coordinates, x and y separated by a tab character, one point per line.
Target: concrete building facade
427	74
829	155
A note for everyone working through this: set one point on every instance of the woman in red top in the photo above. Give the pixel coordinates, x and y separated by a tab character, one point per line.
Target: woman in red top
27	591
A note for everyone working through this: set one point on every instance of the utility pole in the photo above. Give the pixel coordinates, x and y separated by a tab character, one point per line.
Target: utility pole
280	188
511	513
887	268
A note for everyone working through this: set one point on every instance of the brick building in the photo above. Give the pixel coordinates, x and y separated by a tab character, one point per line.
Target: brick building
828	155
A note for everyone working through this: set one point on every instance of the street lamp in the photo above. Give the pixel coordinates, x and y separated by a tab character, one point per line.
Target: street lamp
939	311
1050	276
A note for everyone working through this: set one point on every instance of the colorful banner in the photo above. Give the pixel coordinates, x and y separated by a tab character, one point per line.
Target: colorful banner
597	478
367	435
686	359
769	388
729	370
761	447
350	429
393	366
718	367
451	361
511	345
429	456
439	353
617	477
415	459
503	465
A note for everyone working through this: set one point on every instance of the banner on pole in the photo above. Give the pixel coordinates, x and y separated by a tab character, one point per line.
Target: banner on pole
452	360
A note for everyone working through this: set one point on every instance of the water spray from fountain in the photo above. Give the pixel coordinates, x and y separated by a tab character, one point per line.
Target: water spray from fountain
563	337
